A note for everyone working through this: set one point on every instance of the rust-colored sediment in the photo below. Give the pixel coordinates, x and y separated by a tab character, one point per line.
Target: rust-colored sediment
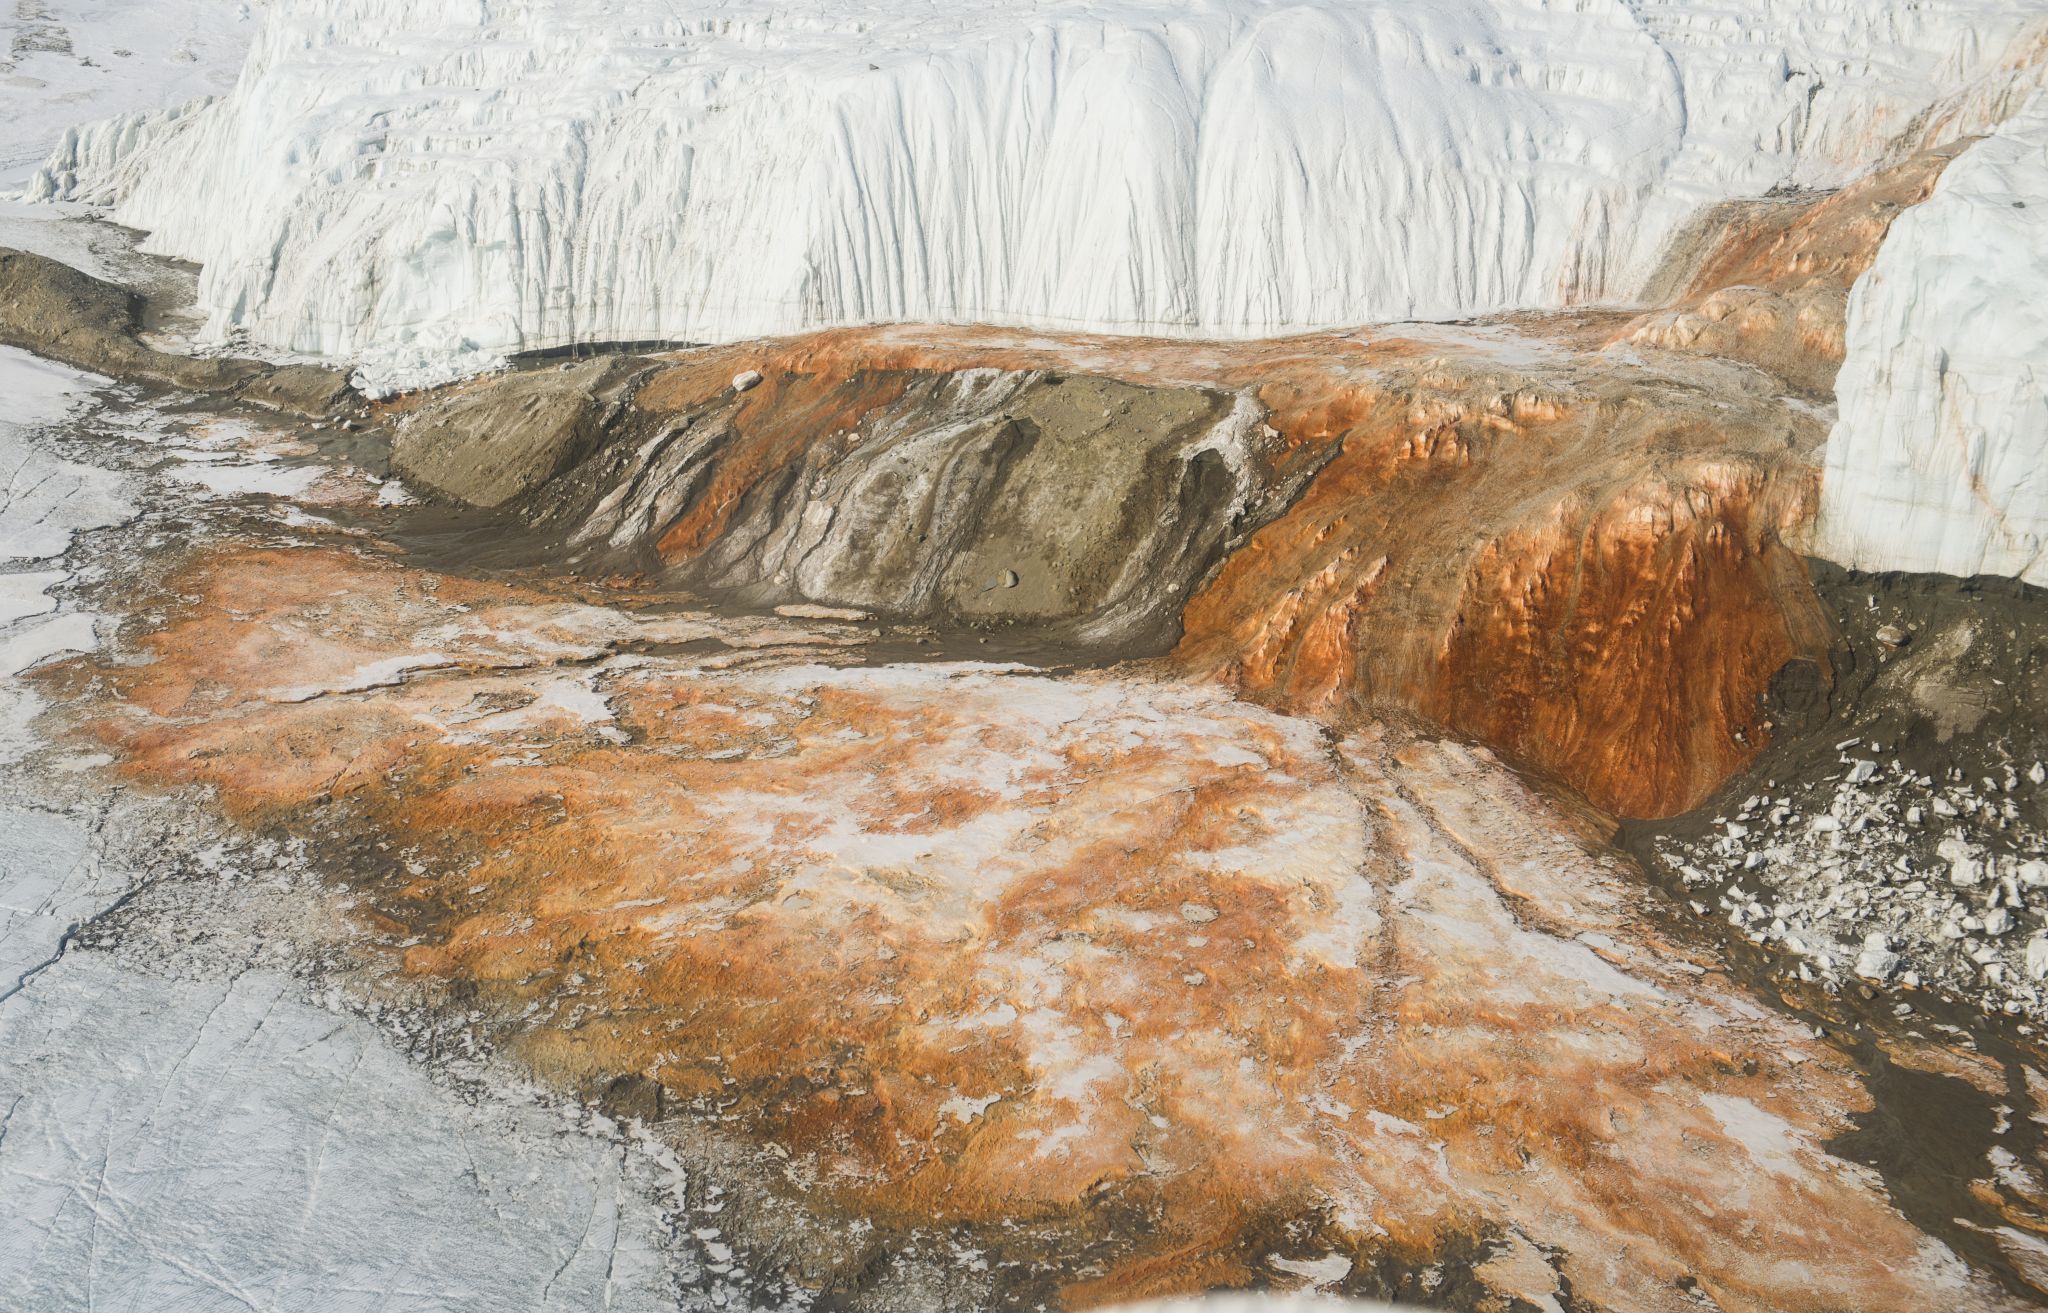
1615	623
1767	281
1559	552
969	945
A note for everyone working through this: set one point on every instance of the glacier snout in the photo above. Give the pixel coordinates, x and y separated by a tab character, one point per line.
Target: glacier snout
1940	459
406	183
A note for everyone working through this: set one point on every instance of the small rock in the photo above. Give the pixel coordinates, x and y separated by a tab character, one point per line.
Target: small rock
1877	961
2034	874
2037	957
1997	921
1893	636
1862	772
746	380
1964	868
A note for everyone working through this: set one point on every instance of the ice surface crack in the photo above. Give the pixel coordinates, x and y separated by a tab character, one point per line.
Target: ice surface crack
65	941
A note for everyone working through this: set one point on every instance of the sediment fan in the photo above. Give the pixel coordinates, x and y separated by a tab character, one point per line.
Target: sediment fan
532	805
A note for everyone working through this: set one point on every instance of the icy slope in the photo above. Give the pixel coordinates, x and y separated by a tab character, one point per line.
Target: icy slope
1940	459
422	181
66	60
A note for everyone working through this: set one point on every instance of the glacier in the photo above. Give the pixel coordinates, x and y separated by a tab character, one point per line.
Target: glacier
63	61
438	185
1939	461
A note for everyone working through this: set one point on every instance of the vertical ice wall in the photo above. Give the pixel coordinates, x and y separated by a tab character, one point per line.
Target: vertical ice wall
1940	459
424	181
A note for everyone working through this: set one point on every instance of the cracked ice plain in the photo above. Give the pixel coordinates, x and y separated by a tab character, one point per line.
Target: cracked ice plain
44	500
202	1146
44	503
437	183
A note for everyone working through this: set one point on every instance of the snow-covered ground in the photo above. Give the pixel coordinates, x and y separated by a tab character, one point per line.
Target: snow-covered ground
1940	460
439	183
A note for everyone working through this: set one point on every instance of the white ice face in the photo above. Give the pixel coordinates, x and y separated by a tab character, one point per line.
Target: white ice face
426	184
1940	459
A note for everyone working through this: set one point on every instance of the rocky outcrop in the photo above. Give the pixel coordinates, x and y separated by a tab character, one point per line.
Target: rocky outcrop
1081	506
1579	559
496	438
57	311
54	310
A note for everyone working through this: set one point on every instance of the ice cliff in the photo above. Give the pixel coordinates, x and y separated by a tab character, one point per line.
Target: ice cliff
1940	459
441	182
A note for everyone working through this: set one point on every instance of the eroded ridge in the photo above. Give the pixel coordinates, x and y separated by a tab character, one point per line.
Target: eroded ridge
1587	561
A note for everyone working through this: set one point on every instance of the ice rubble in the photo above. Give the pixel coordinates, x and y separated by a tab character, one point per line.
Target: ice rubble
1940	459
445	182
1839	875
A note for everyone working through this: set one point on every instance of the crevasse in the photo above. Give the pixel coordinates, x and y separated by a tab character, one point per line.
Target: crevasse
411	184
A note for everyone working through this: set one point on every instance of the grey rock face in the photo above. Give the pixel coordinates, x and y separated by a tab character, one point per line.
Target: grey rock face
494	440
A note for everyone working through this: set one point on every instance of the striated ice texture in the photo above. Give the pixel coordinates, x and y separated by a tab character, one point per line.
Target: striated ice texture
448	181
1940	459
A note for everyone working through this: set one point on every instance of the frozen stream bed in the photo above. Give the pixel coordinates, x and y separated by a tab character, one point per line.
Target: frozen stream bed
486	903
